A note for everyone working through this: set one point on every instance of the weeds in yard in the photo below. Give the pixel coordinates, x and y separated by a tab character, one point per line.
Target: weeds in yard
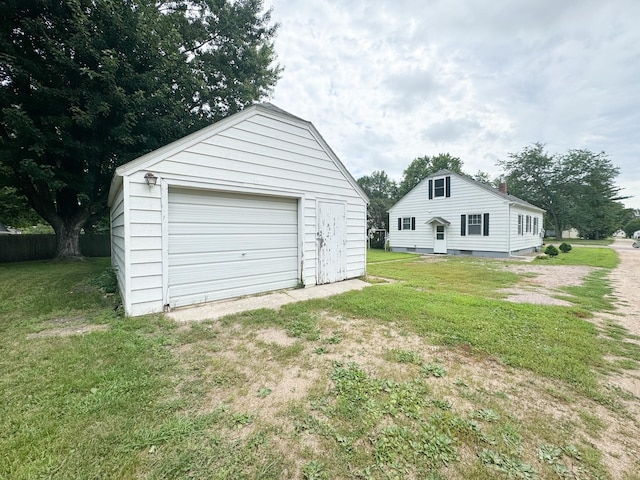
303	325
404	356
433	370
146	398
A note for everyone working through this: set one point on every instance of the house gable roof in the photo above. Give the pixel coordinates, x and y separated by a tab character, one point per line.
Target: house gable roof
146	162
484	186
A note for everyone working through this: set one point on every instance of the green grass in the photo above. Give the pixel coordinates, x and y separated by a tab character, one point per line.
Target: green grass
375	255
591	257
463	274
103	404
148	398
579	241
594	295
551	341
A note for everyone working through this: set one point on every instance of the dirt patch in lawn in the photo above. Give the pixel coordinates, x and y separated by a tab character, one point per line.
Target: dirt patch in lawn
66	327
542	282
267	375
272	378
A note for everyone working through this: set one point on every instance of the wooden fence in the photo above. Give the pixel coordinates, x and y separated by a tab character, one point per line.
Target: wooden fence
21	248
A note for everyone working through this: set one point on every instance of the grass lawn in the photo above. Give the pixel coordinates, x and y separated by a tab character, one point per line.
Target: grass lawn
592	257
434	376
375	255
580	241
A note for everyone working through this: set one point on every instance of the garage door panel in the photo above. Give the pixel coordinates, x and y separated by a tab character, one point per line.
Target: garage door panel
219	228
232	202
227	215
231	271
208	258
225	245
212	291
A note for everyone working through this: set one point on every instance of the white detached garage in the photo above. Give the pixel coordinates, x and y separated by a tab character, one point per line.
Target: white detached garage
253	203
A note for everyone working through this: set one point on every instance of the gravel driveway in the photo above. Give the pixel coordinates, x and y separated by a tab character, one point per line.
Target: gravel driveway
625	280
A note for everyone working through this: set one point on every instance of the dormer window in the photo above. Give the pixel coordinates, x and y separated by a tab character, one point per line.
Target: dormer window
439	187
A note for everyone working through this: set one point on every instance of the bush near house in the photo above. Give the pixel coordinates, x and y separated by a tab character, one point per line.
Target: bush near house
565	247
551	251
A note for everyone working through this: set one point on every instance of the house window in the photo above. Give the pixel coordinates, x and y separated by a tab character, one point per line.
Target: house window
407	223
474	224
439	232
535	225
440	187
519	224
528	224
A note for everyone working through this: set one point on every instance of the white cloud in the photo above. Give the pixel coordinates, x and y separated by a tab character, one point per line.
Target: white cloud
386	82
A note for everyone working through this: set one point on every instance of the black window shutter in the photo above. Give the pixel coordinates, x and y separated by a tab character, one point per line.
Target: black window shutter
463	225
413	223
448	186
430	189
399	224
485	225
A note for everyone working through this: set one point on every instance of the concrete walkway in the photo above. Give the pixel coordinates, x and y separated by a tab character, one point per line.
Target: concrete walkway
215	310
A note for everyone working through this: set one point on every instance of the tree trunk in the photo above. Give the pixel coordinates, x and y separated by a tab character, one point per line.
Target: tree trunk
68	237
558	227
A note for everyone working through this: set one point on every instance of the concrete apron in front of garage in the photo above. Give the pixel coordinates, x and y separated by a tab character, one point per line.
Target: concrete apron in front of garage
215	310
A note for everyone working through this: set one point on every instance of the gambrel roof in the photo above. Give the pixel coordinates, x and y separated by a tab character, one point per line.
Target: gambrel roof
148	160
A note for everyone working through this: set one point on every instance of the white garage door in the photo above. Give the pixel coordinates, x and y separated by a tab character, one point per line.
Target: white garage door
224	245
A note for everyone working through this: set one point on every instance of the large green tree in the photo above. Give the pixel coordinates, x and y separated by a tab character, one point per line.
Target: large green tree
87	85
421	167
382	193
593	196
15	209
632	226
576	189
534	176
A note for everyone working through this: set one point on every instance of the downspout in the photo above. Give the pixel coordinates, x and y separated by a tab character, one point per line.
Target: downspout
509	231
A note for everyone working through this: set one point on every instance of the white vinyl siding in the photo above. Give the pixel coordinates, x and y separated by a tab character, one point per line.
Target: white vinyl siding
264	155
521	239
145	247
463	194
118	239
466	232
255	152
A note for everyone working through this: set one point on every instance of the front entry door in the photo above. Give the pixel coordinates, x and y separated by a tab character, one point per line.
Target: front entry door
439	239
331	260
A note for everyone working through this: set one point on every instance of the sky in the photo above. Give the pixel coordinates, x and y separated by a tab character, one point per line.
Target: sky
385	82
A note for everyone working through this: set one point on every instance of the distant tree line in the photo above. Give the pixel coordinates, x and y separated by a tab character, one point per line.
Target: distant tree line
577	189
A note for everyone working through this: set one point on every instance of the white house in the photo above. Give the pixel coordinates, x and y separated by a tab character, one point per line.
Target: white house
253	203
454	214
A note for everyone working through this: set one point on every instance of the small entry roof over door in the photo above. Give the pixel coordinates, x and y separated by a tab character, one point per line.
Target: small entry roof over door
439	221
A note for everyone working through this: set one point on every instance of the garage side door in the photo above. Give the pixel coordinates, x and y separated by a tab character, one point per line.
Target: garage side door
226	245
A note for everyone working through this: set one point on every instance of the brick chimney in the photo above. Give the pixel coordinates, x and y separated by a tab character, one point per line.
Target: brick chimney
502	187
